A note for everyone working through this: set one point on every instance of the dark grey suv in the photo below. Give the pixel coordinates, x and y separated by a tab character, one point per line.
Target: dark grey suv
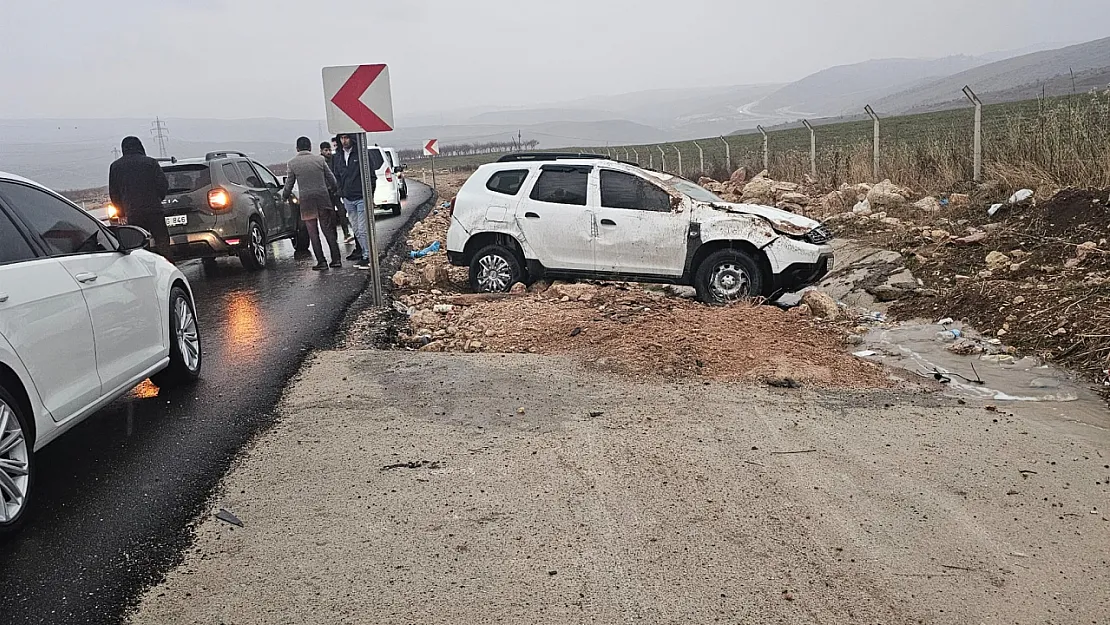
228	205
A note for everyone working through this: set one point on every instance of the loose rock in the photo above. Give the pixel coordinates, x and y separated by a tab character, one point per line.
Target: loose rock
821	305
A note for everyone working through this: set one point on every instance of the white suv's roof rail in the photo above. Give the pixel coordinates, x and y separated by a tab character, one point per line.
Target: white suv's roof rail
518	157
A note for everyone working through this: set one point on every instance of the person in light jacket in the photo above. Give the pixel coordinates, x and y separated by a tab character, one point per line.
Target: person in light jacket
315	184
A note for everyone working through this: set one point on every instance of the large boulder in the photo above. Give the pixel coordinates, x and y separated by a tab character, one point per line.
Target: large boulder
436	274
739	177
784	187
959	200
928	204
717	187
858	191
833	202
759	190
821	305
793	197
886	194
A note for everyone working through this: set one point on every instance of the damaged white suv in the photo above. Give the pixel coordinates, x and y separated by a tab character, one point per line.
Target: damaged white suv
532	216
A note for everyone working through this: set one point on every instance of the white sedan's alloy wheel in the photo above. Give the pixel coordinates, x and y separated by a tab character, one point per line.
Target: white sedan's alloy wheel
14	464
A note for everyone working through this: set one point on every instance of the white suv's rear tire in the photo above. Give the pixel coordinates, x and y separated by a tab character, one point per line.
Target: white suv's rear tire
495	269
727	276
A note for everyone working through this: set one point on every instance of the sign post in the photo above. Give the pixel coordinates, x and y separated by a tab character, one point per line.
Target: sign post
431	150
358	100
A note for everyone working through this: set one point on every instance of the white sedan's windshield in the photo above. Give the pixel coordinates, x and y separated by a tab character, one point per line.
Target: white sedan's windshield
692	190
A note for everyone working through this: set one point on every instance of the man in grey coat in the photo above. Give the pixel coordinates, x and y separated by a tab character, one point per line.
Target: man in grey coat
315	185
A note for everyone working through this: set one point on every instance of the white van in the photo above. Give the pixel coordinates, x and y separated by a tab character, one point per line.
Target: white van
399	169
387	195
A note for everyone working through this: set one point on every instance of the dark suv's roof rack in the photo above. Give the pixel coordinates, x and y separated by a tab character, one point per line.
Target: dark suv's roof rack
167	159
222	154
545	156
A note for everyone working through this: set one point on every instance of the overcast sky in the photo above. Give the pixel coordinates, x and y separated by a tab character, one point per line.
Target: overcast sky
262	58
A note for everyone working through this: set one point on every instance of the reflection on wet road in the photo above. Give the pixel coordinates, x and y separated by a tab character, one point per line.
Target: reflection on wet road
114	494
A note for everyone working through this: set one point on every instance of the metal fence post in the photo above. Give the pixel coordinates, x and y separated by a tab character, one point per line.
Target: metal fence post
812	148
637	153
701	157
766	149
977	142
662	159
875	148
728	155
679	152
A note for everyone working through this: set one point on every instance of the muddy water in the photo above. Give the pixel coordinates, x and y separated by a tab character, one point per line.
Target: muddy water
916	347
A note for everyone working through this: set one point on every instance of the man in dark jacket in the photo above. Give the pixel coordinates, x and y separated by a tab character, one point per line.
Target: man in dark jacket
348	172
328	153
137	187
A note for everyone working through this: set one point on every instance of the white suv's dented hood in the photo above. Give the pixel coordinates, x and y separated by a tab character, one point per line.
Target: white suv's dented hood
782	220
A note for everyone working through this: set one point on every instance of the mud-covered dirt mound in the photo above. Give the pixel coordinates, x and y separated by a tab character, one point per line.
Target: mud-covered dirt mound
1037	276
631	330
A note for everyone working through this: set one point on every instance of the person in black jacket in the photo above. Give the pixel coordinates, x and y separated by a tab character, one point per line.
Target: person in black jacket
327	151
345	165
137	187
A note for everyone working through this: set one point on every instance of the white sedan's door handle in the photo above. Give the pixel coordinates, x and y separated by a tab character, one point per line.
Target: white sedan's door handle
3	297
85	278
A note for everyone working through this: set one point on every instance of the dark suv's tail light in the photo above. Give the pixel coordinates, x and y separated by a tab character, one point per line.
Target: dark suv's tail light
218	199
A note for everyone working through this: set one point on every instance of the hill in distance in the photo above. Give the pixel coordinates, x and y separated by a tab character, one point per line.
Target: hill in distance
1017	76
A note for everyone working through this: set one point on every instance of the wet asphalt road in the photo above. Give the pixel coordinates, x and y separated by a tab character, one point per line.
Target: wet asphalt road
114	495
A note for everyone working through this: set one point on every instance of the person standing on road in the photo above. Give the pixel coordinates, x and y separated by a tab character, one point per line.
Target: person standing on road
347	168
137	186
316	184
327	153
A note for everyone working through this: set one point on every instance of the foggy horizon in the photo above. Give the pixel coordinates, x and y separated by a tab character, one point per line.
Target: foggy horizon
139	60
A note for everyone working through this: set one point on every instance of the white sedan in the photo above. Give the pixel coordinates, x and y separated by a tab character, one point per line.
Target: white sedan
86	314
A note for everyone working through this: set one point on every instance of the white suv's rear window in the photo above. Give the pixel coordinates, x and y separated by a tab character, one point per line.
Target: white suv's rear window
562	185
507	182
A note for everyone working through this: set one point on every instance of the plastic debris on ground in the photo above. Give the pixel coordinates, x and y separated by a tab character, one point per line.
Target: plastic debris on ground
1021	196
228	517
431	249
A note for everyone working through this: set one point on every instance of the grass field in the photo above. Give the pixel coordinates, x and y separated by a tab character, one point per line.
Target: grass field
1058	140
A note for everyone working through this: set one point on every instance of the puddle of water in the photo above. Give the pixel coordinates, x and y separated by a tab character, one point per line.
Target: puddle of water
915	346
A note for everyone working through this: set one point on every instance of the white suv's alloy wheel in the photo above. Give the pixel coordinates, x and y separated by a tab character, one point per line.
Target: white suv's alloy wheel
494	273
730	282
14	464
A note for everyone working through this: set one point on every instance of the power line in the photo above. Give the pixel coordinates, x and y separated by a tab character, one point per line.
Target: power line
159	131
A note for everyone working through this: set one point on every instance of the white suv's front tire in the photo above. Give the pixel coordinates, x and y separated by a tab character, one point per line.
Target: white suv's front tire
727	276
495	269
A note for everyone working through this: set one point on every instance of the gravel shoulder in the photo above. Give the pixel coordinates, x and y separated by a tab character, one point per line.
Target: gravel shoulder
401	487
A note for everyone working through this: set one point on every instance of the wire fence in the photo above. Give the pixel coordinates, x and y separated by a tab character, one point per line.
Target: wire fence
1061	141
